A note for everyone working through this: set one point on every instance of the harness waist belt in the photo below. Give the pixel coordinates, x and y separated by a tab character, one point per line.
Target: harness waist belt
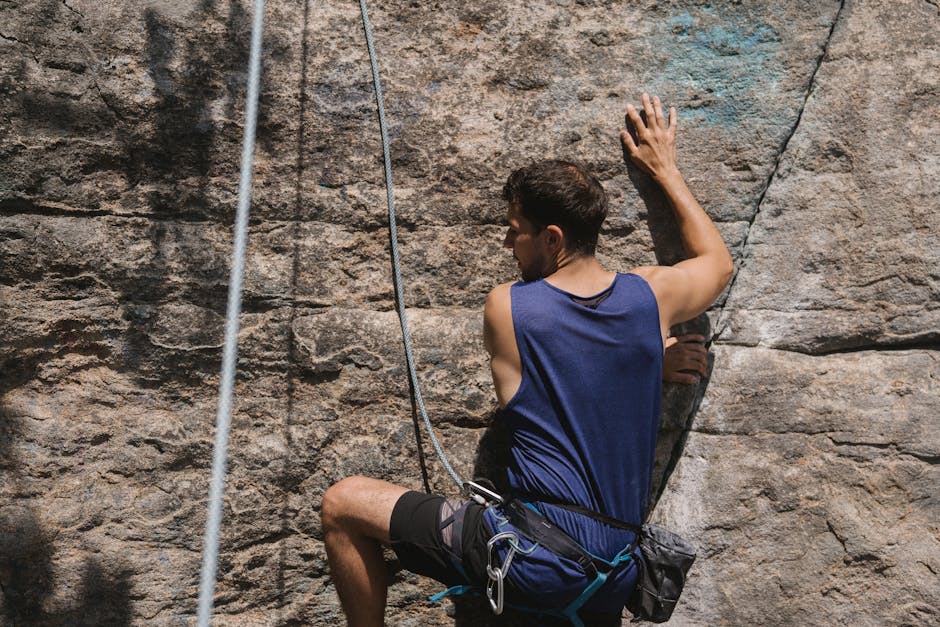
537	528
590	513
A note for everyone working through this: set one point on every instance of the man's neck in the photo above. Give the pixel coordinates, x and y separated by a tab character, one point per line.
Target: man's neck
582	276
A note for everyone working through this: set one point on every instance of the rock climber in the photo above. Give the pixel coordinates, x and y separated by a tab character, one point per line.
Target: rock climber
576	353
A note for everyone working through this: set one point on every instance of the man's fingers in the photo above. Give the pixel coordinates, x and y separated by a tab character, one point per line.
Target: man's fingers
693	362
648	108
658	108
627	140
690	348
673	121
682	377
633	117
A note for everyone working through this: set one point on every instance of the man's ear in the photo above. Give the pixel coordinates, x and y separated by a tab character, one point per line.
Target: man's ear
555	238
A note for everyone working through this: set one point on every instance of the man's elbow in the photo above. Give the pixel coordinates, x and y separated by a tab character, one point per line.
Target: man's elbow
720	270
727	270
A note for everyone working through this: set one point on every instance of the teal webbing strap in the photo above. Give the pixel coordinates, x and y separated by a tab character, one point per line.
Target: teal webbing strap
452	592
571	612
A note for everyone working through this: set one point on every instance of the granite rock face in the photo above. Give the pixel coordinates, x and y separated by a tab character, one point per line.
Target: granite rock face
805	468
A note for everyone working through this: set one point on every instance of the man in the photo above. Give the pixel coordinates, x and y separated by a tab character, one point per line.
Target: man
576	356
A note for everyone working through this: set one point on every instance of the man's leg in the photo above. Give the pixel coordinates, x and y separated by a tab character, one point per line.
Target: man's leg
355	515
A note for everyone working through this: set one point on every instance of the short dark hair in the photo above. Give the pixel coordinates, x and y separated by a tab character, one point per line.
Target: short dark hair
562	193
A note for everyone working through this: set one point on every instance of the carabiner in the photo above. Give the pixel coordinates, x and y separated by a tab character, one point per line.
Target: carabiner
481	495
496	575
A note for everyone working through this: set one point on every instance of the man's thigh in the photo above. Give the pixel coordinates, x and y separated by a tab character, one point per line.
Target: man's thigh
363	505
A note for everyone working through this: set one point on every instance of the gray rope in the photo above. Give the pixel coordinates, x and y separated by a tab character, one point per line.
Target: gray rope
396	262
230	351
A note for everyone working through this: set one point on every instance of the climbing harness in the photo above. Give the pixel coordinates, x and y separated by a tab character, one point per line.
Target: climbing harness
230	351
517	519
396	262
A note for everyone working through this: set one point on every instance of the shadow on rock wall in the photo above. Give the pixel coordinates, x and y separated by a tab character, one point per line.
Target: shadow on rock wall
42	588
169	158
97	595
171	149
193	72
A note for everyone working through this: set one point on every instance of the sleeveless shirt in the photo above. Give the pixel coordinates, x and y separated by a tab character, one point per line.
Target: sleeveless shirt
583	424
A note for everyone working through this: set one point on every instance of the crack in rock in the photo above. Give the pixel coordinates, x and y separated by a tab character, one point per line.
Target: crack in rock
783	149
25	44
927	342
108	103
837	536
894	447
72	9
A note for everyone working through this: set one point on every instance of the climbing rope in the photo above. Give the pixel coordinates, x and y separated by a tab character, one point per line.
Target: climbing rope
230	350
396	262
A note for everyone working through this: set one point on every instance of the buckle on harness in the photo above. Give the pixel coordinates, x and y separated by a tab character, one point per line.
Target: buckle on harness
497	574
482	495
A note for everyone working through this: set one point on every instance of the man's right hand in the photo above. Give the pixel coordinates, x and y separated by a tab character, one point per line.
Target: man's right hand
652	143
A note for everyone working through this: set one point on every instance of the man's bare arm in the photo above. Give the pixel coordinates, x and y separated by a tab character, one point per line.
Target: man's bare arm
689	287
499	338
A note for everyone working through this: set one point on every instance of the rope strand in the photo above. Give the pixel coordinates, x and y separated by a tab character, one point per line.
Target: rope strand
230	351
396	262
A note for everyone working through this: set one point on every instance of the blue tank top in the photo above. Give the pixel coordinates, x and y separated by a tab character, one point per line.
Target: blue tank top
583	424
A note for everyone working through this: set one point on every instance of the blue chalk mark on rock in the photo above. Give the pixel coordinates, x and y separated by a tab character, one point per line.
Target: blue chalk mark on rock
719	64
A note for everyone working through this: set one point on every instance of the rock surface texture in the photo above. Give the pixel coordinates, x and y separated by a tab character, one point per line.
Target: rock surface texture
805	467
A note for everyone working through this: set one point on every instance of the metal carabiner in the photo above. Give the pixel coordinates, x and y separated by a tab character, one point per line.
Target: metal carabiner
496	575
481	495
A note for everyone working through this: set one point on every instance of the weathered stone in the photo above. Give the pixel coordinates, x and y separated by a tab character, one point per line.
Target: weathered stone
866	272
819	474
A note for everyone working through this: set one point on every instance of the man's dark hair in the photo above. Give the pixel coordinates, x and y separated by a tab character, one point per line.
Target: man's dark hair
562	193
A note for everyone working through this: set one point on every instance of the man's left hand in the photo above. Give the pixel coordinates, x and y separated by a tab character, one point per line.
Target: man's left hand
684	359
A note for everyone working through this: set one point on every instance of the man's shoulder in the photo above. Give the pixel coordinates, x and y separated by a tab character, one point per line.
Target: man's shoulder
647	272
499	295
497	319
497	311
657	277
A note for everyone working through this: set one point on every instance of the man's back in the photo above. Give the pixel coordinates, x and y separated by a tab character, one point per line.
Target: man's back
583	421
582	424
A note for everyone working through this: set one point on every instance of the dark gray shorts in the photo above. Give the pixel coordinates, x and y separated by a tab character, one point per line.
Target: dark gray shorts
444	539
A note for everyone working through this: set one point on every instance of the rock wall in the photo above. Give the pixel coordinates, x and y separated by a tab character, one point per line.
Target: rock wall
806	465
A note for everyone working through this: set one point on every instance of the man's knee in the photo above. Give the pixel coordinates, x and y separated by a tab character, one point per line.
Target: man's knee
360	505
338	500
